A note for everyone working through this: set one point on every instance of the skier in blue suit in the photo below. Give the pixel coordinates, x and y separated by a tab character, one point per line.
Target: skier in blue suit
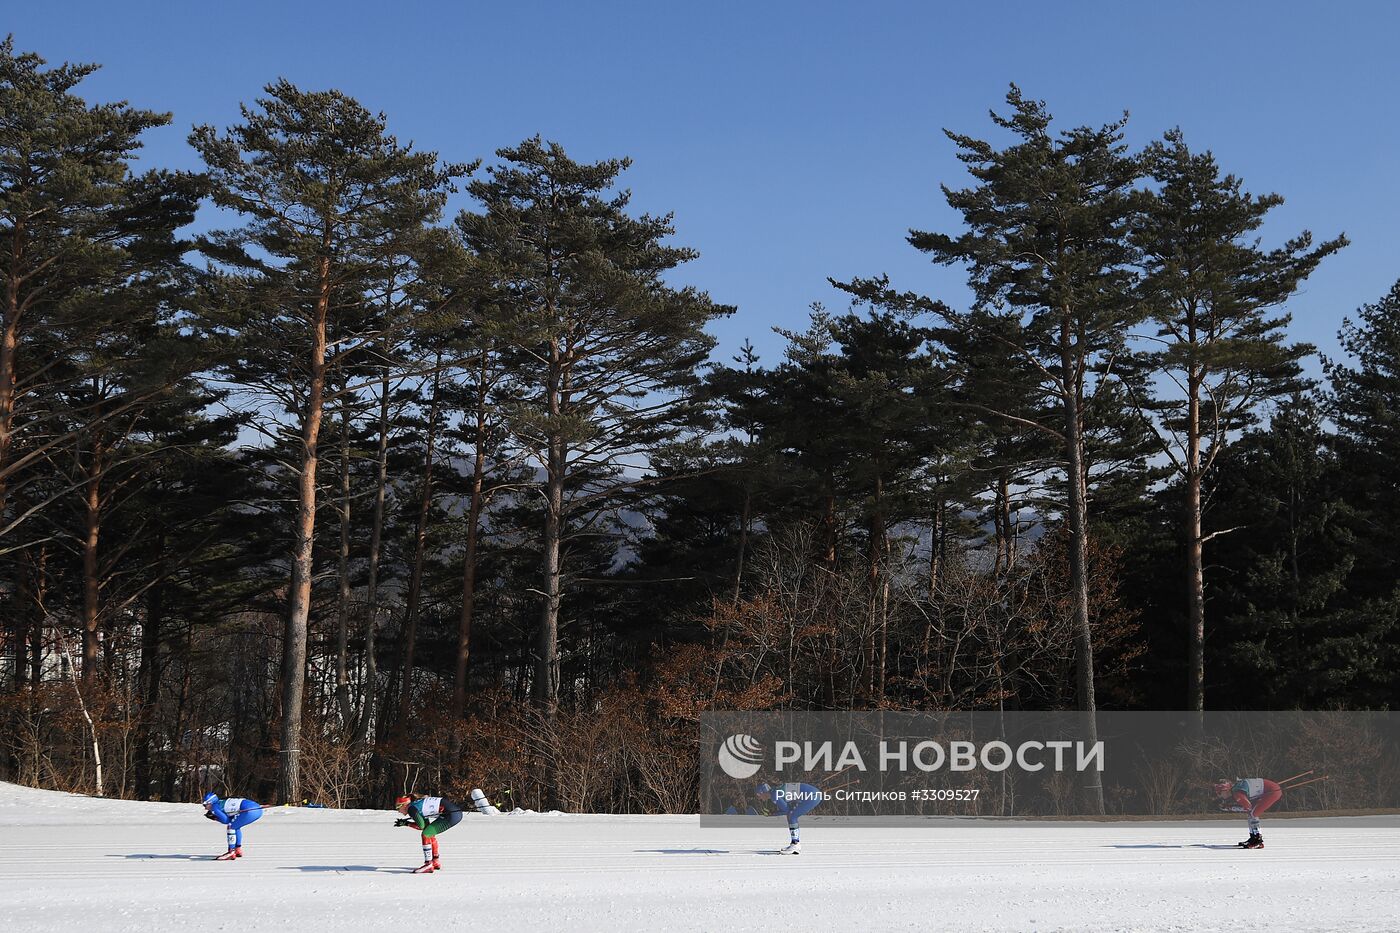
235	813
793	800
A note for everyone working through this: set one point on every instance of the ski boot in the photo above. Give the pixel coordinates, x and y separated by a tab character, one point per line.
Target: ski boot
1255	841
425	869
792	848
237	851
228	856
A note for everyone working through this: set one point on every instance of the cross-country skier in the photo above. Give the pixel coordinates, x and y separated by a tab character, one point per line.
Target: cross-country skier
235	813
793	800
431	815
1252	796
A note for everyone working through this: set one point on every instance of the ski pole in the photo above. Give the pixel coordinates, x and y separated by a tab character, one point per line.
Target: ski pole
1295	777
280	806
844	784
840	772
271	806
1302	783
825	786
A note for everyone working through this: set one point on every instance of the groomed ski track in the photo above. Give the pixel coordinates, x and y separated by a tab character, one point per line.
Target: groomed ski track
75	863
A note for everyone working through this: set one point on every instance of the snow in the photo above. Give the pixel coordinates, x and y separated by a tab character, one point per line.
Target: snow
77	863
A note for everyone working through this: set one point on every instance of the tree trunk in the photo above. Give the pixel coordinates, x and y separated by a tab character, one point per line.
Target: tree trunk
745	518
1006	542
545	688
9	355
299	595
93	737
828	522
20	623
876	582
1078	509
884	620
1195	570
92	521
376	537
41	592
546	685
149	682
937	534
342	622
474	509
464	624
415	581
182	714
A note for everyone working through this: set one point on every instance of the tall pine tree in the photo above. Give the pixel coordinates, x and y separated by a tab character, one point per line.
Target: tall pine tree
1218	352
606	351
1365	405
1047	238
78	229
323	188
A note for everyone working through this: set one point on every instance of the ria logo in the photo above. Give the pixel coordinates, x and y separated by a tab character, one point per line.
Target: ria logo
741	756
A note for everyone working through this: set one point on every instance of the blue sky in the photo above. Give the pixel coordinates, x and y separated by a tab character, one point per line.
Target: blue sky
796	141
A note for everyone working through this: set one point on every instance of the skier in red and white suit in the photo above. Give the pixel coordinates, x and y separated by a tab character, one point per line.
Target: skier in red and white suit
1252	796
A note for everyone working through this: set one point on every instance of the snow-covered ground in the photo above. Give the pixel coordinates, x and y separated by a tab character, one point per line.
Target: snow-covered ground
74	863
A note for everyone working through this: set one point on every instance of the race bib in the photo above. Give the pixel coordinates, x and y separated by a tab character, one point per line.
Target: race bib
1253	787
431	807
232	805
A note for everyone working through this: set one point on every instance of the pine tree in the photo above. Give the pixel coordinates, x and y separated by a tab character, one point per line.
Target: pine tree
128	382
885	388
607	351
801	416
731	389
1218	353
1047	237
994	400
80	234
713	506
476	336
1292	633
1365	404
323	188
181	546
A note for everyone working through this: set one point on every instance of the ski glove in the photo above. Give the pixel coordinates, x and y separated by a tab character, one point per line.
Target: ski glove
209	815
403	822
